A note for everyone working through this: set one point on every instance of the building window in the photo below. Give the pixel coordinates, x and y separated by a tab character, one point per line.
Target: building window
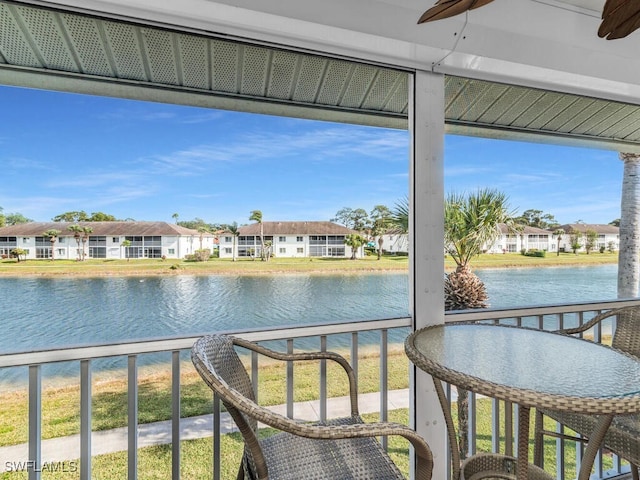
153	252
25	240
115	239
42	242
282	239
10	242
227	239
299	239
97	252
171	251
300	250
227	250
283	250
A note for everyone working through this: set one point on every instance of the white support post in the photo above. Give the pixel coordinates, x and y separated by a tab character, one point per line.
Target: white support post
426	227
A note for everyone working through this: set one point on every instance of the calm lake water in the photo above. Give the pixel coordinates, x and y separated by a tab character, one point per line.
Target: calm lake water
47	312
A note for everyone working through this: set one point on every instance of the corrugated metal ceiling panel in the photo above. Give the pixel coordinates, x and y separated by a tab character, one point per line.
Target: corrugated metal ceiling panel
99	51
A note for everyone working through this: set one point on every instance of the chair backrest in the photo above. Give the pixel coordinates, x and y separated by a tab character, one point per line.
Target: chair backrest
217	362
627	333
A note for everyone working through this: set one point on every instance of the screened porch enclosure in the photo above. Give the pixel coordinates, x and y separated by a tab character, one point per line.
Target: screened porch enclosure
329	62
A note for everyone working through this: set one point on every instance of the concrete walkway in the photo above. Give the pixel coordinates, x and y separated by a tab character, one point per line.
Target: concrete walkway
159	433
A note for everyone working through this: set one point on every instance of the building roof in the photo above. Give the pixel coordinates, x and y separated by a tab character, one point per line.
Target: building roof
526	229
34	229
296	228
596	227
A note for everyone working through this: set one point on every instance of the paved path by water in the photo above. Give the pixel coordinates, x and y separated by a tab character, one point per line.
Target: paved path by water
159	433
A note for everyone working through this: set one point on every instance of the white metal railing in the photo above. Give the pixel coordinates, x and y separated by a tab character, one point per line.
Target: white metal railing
85	355
550	317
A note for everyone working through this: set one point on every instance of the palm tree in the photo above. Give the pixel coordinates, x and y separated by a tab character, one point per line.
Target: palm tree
256	216
175	217
85	236
382	219
470	223
202	229
233	229
268	247
19	252
559	232
354	241
629	255
400	217
52	235
126	244
77	230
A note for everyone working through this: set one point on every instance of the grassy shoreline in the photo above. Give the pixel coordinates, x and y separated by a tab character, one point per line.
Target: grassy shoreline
399	264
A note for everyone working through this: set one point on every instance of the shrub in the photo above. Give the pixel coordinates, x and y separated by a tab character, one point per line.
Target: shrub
602	249
202	255
535	253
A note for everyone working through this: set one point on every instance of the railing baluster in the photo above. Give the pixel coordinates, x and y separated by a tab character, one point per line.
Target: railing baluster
85	420
508	428
175	415
254	374
132	417
354	354
216	437
472	423
495	426
290	380
323	380
35	422
560	464
384	381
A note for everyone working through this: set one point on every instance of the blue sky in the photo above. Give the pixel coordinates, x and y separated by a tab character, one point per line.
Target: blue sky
62	152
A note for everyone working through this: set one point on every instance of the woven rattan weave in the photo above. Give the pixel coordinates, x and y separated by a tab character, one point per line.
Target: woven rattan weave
340	449
532	368
487	466
623	436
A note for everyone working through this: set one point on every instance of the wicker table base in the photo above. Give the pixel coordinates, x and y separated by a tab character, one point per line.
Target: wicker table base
487	466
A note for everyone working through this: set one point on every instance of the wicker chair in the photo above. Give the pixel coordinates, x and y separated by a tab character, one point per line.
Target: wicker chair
338	449
623	436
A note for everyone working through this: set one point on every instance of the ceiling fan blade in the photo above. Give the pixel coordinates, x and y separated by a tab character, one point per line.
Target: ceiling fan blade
480	3
624	29
450	8
611	5
620	18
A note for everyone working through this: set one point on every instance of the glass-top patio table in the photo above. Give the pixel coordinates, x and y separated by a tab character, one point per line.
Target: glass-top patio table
533	368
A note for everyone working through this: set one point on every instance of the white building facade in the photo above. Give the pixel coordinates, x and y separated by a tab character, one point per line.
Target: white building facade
395	243
608	237
526	238
107	240
290	239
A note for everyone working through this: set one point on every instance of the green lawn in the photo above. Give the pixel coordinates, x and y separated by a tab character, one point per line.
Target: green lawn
96	267
197	455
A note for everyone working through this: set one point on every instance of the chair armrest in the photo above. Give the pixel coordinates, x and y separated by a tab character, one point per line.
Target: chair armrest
423	452
306	356
597	319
